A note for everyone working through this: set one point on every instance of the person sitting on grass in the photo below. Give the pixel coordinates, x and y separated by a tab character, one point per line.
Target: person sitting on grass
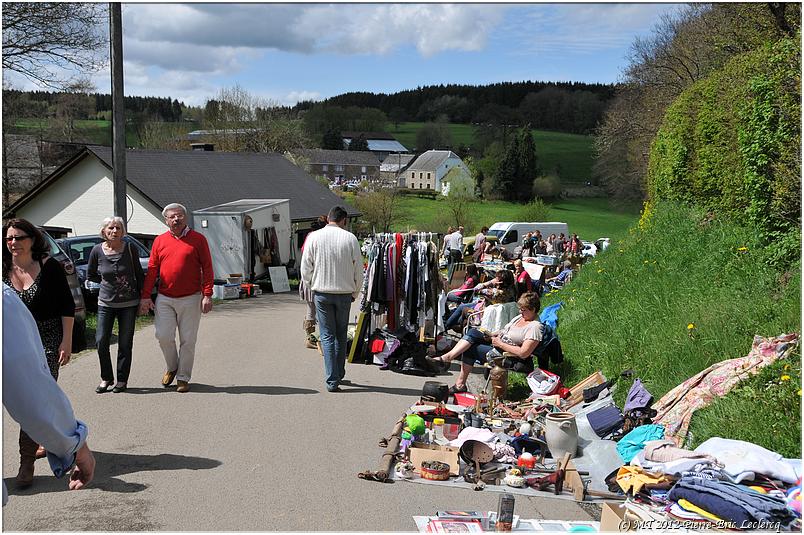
520	337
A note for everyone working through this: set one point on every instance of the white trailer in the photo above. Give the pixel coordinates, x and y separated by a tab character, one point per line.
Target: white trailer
239	232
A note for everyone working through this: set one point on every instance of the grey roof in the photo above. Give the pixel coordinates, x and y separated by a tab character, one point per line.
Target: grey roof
340	157
431	160
367	135
395	162
381	145
199	179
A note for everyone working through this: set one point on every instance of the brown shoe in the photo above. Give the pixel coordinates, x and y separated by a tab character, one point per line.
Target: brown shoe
168	377
27	459
183	386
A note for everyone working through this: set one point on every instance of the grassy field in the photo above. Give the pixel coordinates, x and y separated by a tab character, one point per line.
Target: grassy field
572	154
673	297
590	218
93	131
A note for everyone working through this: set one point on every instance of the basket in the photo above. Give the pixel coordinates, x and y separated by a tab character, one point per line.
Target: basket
439	472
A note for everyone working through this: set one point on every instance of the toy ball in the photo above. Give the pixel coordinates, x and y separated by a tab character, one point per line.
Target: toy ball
415	424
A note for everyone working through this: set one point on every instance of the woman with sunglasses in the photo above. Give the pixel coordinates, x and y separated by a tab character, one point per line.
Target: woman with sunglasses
42	285
520	337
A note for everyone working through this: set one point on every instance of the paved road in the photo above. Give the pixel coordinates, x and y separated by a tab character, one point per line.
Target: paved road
258	443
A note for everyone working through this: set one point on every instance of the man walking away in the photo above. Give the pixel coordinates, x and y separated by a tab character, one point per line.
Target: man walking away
181	259
332	267
453	244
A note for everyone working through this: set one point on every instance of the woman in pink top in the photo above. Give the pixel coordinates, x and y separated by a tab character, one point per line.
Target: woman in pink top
460	295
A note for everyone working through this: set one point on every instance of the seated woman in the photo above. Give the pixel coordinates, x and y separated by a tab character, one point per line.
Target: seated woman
500	289
520	337
460	295
523	283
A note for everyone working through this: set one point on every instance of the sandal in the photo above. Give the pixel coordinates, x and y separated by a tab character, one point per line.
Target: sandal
455	389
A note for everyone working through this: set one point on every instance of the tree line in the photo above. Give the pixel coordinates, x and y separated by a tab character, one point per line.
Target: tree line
40	103
573	107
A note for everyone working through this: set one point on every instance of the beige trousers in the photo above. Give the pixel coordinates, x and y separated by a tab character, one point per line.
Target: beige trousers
184	313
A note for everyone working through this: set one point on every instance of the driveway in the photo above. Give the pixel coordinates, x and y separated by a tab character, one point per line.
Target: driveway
258	444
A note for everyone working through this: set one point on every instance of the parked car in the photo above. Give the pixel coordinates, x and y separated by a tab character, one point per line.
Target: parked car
602	243
589	249
79	325
78	249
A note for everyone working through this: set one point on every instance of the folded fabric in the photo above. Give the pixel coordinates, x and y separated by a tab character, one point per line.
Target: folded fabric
474	433
691	507
673	468
743	460
665	450
732	502
633	442
633	478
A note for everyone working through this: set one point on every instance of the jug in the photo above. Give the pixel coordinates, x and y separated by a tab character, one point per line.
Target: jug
561	434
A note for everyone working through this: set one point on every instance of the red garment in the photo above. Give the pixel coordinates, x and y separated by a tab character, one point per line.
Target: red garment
184	266
468	284
524	278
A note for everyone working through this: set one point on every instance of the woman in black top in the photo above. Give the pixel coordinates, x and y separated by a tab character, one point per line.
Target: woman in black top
114	264
41	284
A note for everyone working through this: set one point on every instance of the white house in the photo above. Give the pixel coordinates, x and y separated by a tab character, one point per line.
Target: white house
77	196
430	167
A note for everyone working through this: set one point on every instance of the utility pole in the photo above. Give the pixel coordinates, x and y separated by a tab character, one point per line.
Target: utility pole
118	115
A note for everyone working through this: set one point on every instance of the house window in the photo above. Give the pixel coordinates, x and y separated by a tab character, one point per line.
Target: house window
363	170
412	174
421	175
428	184
325	168
363	177
428	176
338	168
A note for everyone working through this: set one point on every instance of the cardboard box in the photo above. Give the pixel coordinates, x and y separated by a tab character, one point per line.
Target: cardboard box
226	291
419	452
614	518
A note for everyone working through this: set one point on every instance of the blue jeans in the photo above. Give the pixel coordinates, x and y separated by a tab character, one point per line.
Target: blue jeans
125	340
457	315
477	351
332	314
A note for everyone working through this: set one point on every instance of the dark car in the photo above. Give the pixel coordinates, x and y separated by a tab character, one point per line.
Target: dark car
78	249
79	325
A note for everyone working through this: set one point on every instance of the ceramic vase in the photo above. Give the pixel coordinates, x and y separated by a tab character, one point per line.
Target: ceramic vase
561	434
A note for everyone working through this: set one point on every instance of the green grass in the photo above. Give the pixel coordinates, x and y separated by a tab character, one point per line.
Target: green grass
631	307
571	154
590	218
92	326
96	131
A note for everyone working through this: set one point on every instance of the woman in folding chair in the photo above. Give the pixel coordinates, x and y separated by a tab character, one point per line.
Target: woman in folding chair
464	293
500	289
519	337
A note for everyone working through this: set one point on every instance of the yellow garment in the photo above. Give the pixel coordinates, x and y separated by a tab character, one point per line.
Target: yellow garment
634	478
689	506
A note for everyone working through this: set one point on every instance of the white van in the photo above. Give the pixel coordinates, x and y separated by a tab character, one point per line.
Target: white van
509	235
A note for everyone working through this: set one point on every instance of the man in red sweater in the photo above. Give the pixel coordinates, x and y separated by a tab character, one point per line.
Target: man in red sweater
181	259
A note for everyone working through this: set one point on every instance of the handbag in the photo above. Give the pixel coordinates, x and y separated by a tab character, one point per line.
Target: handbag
543	382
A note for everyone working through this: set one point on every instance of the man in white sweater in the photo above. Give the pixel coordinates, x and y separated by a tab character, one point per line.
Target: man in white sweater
332	267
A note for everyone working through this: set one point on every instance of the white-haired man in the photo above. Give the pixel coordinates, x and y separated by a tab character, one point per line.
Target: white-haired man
180	258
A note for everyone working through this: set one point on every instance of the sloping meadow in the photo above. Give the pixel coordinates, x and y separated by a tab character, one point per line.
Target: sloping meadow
683	290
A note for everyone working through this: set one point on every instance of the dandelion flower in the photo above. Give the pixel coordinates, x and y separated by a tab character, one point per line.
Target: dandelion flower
600	271
786	366
742	249
785	377
799	391
690	326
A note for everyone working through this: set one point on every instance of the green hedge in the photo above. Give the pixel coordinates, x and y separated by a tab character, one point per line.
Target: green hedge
731	143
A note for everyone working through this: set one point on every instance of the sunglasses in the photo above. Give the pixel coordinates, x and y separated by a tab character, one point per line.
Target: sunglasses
10	239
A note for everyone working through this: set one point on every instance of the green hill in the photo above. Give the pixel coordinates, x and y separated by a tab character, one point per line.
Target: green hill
572	153
683	290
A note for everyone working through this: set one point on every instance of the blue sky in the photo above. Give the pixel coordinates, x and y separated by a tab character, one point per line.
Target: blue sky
286	52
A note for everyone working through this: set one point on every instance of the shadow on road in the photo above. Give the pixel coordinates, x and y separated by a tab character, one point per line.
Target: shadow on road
243	389
357	388
111	465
